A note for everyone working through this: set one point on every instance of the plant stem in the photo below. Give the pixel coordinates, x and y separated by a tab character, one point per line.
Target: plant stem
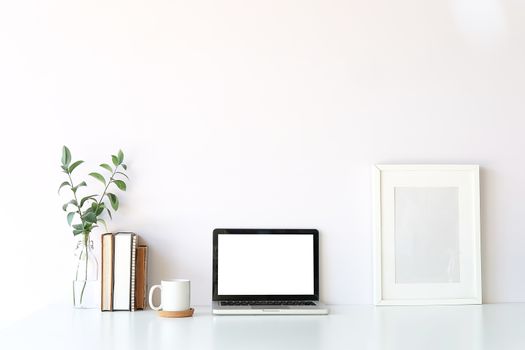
75	196
78	265
86	242
107	185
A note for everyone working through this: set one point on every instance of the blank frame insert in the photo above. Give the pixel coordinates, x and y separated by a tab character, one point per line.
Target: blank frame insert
426	235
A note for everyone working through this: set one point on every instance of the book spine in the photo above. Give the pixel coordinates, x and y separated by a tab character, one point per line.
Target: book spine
107	254
122	271
112	272
133	270
140	279
145	285
102	284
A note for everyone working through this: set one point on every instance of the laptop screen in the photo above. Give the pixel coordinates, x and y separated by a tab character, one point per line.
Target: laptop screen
265	263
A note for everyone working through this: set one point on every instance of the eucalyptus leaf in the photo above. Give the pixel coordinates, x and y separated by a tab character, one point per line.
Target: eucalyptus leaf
98	177
90	217
82	184
120	184
107	167
118	172
120	156
65	183
73	201
83	200
70	217
66	156
114	201
114	159
74	165
100	209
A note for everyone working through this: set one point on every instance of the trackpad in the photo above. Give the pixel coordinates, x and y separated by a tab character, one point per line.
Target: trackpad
268	307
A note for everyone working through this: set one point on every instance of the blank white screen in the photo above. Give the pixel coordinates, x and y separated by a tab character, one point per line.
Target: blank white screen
265	264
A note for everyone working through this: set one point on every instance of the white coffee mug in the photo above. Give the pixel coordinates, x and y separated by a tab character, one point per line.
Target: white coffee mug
174	295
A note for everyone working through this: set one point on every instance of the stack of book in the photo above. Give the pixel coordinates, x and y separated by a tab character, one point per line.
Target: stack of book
124	269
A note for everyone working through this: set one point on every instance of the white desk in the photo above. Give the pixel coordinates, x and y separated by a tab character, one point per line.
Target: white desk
497	326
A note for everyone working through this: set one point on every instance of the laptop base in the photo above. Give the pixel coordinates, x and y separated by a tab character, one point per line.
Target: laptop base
318	309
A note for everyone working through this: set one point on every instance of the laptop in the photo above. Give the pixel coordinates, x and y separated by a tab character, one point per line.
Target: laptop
266	272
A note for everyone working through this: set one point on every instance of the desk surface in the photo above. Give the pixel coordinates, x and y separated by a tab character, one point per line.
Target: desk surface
493	326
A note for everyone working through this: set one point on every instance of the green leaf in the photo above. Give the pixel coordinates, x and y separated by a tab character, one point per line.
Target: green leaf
98	177
74	165
66	156
70	217
118	172
120	184
103	223
74	202
87	226
107	167
90	217
120	156
83	200
109	213
100	209
76	232
114	201
125	166
65	168
114	159
93	208
65	183
78	226
82	184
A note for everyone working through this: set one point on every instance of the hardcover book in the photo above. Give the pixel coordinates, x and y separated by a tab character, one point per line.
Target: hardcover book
124	271
106	293
141	277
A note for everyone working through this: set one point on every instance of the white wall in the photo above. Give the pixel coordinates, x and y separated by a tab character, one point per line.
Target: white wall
255	114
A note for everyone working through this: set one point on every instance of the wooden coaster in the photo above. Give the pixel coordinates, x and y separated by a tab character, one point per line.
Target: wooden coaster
171	314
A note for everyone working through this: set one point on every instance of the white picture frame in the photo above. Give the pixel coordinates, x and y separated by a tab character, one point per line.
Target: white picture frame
426	234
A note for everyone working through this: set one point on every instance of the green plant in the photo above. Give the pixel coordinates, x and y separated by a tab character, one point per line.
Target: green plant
89	209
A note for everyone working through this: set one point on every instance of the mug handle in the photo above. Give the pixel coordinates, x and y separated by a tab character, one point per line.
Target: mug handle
156	308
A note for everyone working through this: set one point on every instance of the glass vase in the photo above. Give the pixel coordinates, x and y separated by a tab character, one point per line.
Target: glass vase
86	289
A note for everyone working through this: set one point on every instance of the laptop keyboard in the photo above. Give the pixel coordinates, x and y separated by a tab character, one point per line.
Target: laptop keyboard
264	303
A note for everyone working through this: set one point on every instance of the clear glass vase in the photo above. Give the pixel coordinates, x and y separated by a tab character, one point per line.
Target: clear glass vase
86	289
